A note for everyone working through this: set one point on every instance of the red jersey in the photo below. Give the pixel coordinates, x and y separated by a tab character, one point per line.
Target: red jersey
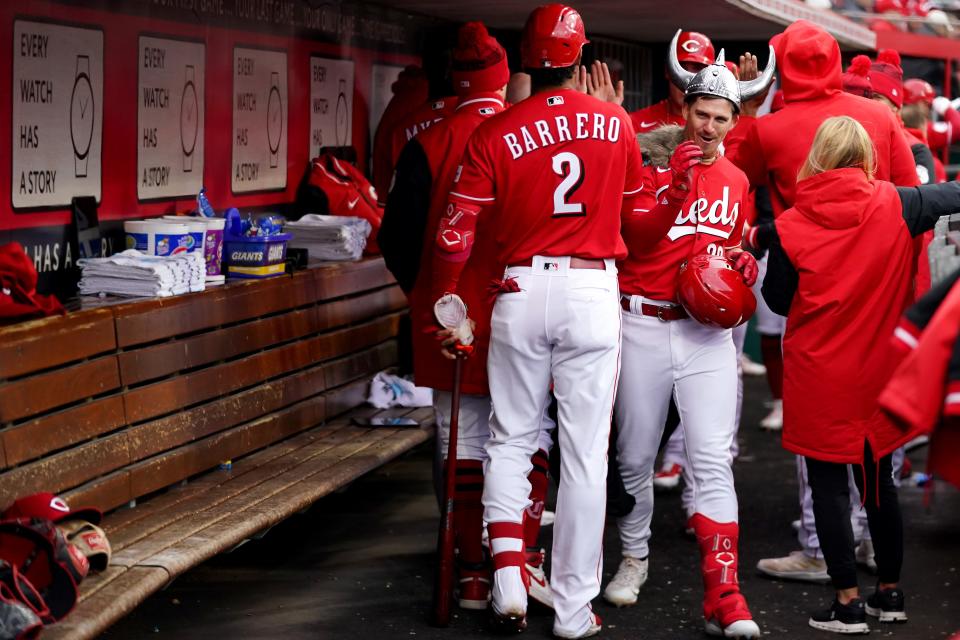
655	116
443	146
421	118
553	171
710	221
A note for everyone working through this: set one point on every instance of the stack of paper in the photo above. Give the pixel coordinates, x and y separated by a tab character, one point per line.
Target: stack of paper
329	237
132	273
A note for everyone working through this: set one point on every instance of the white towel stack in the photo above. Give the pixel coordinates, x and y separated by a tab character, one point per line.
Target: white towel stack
329	237
135	274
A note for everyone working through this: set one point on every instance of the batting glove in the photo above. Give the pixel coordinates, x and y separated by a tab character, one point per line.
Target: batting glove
746	264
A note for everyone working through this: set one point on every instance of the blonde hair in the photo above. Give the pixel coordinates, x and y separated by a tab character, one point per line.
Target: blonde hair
840	142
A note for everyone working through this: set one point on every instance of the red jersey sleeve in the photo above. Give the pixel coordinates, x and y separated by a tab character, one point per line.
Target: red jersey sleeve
473	181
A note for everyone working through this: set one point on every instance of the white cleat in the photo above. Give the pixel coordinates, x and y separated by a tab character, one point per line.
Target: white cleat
596	624
624	589
751	368
668	477
774	419
738	629
538	587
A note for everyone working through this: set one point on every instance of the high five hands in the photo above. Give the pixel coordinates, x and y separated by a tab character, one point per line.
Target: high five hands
599	84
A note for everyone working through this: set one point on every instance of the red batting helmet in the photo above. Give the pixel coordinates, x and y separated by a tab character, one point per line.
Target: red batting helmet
917	90
713	292
553	37
695	47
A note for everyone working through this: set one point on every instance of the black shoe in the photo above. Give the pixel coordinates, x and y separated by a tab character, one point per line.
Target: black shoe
842	618
887	605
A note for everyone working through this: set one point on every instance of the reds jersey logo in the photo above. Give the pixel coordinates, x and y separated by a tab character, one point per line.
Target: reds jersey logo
715	218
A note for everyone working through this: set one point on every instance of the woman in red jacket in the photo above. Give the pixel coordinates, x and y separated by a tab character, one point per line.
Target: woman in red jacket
841	268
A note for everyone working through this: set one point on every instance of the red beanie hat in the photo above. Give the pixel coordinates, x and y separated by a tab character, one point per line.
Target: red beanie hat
886	76
479	62
857	79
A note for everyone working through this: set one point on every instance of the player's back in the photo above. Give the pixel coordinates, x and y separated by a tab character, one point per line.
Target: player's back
553	169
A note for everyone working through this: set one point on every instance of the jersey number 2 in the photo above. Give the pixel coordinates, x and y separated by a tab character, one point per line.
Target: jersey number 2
570	167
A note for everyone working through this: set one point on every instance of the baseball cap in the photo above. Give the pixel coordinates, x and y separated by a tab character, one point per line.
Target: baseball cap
48	506
696	48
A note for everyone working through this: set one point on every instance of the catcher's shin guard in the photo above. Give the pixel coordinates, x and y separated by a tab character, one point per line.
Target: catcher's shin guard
725	609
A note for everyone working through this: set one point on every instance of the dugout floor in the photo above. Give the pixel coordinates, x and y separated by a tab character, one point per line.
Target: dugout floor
359	565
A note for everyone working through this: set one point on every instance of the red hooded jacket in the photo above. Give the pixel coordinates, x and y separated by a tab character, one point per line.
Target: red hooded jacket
442	147
848	241
771	149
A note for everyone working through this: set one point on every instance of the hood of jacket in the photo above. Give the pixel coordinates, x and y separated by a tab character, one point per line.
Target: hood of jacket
835	199
808	61
657	146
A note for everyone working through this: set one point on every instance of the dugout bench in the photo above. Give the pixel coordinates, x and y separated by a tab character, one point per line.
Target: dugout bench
132	408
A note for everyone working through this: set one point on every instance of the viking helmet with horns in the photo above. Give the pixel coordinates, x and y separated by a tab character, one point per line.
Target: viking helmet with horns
717	80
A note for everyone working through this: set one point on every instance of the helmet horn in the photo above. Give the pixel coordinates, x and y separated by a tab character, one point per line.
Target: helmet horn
752	88
680	76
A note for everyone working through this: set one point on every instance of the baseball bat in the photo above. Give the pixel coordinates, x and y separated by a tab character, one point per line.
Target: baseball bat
443	580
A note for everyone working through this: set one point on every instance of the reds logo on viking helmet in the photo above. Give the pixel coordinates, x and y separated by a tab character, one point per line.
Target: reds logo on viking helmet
716	79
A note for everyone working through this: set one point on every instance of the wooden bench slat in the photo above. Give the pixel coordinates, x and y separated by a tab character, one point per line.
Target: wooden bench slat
30	396
49	342
62	429
349	278
309	483
119	487
229	484
165	358
176	531
162	397
121	596
139	323
66	469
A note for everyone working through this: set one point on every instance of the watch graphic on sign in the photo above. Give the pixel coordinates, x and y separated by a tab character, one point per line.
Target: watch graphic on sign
343	119
81	116
274	119
189	119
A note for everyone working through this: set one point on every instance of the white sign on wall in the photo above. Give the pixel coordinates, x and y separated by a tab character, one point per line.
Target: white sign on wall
384	75
57	113
259	120
331	103
169	118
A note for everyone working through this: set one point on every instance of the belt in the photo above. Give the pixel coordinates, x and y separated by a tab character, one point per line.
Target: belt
660	312
575	263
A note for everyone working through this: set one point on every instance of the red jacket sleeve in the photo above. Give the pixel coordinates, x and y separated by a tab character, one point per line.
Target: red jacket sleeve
742	147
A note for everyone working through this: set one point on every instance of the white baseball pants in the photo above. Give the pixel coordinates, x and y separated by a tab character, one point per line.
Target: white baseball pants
697	364
673	452
563	326
473	431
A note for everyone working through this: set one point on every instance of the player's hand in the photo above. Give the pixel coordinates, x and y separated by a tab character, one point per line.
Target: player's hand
749	68
450	346
684	158
583	79
746	264
940	105
600	84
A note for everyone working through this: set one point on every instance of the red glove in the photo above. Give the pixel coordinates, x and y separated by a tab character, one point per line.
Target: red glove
746	264
684	158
